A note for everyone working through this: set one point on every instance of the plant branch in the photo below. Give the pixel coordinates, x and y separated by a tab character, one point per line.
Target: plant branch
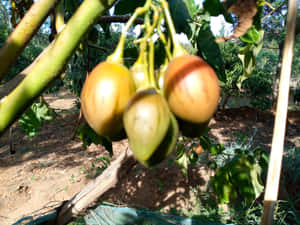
9	86
273	10
94	189
52	63
23	33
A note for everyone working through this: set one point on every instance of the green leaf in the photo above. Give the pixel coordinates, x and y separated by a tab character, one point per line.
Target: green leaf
222	185
210	51
213	150
88	136
191	6
32	119
215	8
247	55
183	162
127	6
180	16
239	178
252	36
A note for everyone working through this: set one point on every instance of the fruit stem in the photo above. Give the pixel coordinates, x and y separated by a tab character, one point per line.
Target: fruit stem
117	55
162	37
151	65
150	29
178	49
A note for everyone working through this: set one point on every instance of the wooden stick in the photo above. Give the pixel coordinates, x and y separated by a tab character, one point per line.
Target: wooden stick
274	169
94	189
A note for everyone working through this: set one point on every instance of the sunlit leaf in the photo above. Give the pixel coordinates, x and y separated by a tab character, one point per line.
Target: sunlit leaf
183	162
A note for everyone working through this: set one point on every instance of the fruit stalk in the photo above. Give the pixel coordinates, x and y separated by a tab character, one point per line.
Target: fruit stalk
117	55
178	49
163	38
150	29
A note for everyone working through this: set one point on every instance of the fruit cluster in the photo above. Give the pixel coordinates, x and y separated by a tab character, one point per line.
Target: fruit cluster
115	98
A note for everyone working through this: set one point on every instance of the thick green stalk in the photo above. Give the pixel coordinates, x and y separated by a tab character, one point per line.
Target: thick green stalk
52	63
23	33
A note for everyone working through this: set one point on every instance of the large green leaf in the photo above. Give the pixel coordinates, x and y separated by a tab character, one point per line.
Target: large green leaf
215	8
127	6
180	16
210	51
222	185
239	178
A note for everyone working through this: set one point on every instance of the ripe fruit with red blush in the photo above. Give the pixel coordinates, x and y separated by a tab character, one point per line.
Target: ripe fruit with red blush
191	88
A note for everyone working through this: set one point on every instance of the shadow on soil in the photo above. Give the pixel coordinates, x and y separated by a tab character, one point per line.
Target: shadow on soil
54	138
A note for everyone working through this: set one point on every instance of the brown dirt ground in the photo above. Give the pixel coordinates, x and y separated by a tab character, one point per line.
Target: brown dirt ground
51	167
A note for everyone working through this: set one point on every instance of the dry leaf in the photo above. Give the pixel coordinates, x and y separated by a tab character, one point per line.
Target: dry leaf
245	10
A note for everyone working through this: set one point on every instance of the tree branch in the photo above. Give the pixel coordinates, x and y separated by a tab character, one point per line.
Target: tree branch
94	189
23	33
49	67
9	86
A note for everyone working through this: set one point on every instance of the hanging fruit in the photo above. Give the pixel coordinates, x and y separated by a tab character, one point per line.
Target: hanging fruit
104	97
107	90
190	86
150	127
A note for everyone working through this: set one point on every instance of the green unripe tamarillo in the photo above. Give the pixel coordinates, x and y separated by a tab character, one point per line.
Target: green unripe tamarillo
104	96
191	88
151	128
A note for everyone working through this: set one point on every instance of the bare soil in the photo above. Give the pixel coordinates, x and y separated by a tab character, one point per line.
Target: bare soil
51	168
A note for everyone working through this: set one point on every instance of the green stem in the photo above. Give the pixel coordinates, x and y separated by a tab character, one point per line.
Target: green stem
150	29
163	38
117	55
151	65
22	34
178	49
52	63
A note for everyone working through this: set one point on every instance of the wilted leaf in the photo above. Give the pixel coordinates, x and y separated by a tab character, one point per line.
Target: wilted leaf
246	11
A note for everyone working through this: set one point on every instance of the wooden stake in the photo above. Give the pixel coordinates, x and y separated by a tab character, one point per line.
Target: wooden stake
274	169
